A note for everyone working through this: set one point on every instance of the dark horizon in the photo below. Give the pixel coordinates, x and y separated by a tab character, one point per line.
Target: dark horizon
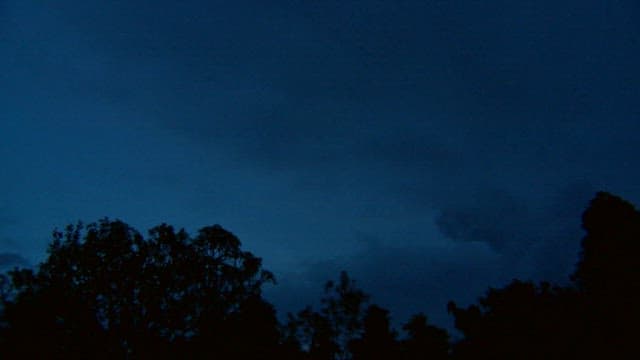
107	291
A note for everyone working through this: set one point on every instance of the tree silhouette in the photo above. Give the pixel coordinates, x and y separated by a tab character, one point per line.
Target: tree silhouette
343	328
597	317
104	290
608	274
609	261
326	333
378	340
424	341
522	320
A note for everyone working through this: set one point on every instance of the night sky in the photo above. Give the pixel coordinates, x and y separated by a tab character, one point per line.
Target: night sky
432	149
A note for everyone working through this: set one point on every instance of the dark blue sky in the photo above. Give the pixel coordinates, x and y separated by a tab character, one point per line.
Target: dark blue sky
430	148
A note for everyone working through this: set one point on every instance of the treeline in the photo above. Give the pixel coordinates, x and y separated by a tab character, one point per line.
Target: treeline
105	292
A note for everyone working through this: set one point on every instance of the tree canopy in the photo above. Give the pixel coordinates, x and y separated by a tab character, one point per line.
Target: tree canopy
597	315
105	291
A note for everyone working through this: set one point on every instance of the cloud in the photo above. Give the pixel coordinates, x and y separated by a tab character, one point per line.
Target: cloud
485	240
493	217
558	232
541	237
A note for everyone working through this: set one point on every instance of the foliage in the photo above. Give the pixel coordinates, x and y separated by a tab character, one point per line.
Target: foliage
326	333
104	291
522	321
424	341
596	317
378	340
608	261
346	327
132	296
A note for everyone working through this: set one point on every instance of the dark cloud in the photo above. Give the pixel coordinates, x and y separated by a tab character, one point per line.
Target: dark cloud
408	87
558	232
543	237
493	217
496	237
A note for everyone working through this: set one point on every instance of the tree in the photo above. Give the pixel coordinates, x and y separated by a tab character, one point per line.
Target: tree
598	317
522	320
105	290
609	262
378	340
424	341
608	274
325	334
